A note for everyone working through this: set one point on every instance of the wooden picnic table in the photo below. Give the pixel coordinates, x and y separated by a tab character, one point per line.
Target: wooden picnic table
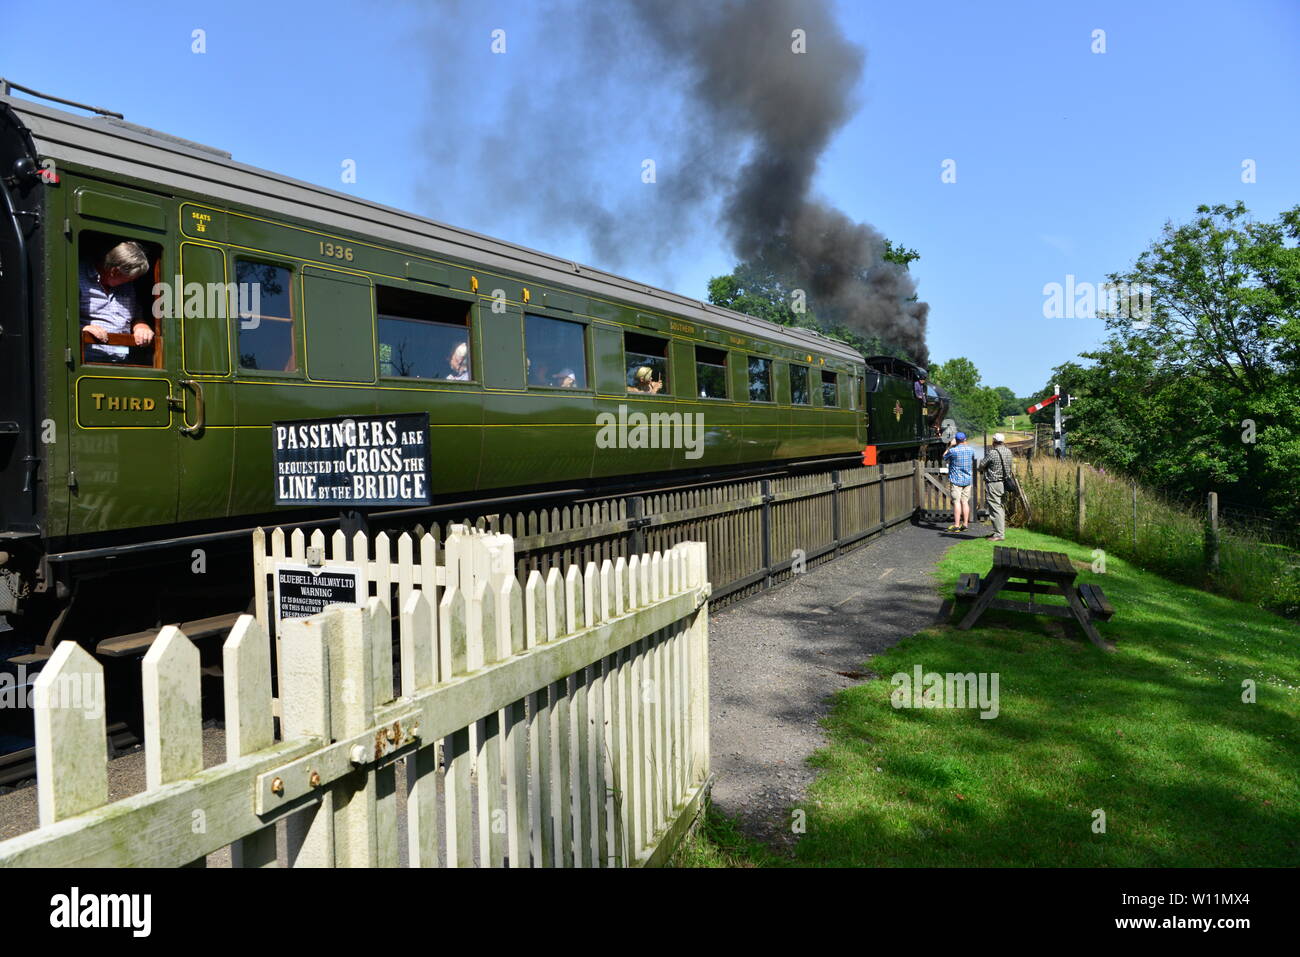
1036	572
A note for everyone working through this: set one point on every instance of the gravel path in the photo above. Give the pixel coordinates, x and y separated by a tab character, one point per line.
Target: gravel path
774	662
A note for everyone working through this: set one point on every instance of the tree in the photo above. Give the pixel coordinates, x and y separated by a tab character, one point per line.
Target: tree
757	289
1224	298
974	407
901	255
1201	392
760	293
1008	404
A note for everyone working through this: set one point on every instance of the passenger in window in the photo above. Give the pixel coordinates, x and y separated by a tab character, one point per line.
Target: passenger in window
459	362
566	379
108	302
644	381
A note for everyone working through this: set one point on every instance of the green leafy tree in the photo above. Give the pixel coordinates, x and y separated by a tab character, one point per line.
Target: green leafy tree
759	290
1225	298
1202	391
901	255
975	407
1008	404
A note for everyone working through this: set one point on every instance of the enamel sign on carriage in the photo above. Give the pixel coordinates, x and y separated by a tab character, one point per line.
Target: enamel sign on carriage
353	461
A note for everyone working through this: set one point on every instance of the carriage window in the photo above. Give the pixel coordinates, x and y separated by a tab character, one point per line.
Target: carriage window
760	379
711	372
646	361
422	336
266	338
830	389
116	280
799	394
556	352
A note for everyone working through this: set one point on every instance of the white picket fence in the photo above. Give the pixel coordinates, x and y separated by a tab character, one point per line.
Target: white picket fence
491	557
417	564
564	723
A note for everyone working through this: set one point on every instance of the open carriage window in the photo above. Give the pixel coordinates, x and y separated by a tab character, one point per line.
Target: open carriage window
760	379
555	352
646	360
116	278
423	336
711	372
799	394
830	389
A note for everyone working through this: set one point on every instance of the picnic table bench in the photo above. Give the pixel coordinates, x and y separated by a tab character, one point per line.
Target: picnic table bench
1036	572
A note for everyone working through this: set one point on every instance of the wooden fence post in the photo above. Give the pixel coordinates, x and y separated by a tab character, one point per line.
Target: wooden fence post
305	708
766	531
835	511
883	498
1212	532
246	663
1135	515
635	512
918	485
1081	513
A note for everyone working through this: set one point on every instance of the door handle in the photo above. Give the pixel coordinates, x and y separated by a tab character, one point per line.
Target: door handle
200	423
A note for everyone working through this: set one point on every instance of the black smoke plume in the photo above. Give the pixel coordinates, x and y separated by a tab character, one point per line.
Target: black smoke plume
741	121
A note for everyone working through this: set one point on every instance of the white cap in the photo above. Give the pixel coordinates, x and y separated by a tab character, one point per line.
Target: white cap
999	437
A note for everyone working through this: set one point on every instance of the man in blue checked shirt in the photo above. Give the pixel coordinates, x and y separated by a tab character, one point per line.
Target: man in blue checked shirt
960	458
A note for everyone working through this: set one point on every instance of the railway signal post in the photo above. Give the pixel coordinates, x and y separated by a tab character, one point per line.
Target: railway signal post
1058	427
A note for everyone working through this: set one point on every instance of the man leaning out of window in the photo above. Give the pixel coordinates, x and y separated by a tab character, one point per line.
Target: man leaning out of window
108	302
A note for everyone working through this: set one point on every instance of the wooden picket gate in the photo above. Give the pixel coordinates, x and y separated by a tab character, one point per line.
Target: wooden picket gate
934	501
561	723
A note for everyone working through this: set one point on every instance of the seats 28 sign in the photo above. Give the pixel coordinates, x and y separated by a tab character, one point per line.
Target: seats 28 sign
353	461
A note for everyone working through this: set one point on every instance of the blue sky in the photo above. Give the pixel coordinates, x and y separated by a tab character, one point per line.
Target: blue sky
1068	162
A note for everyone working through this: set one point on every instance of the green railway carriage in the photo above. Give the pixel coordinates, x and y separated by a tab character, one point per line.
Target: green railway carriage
352	308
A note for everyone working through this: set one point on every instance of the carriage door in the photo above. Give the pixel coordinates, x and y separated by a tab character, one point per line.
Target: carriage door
203	427
122	464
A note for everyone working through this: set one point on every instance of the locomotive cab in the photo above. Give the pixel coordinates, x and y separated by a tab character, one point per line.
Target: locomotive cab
898	422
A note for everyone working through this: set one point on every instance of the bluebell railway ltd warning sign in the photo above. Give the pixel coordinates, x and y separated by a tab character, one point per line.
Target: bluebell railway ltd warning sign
302	591
353	461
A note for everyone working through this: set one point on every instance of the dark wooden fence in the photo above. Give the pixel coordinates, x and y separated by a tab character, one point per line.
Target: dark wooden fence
759	532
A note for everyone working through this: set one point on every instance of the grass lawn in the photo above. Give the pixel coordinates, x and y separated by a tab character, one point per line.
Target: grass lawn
1154	734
